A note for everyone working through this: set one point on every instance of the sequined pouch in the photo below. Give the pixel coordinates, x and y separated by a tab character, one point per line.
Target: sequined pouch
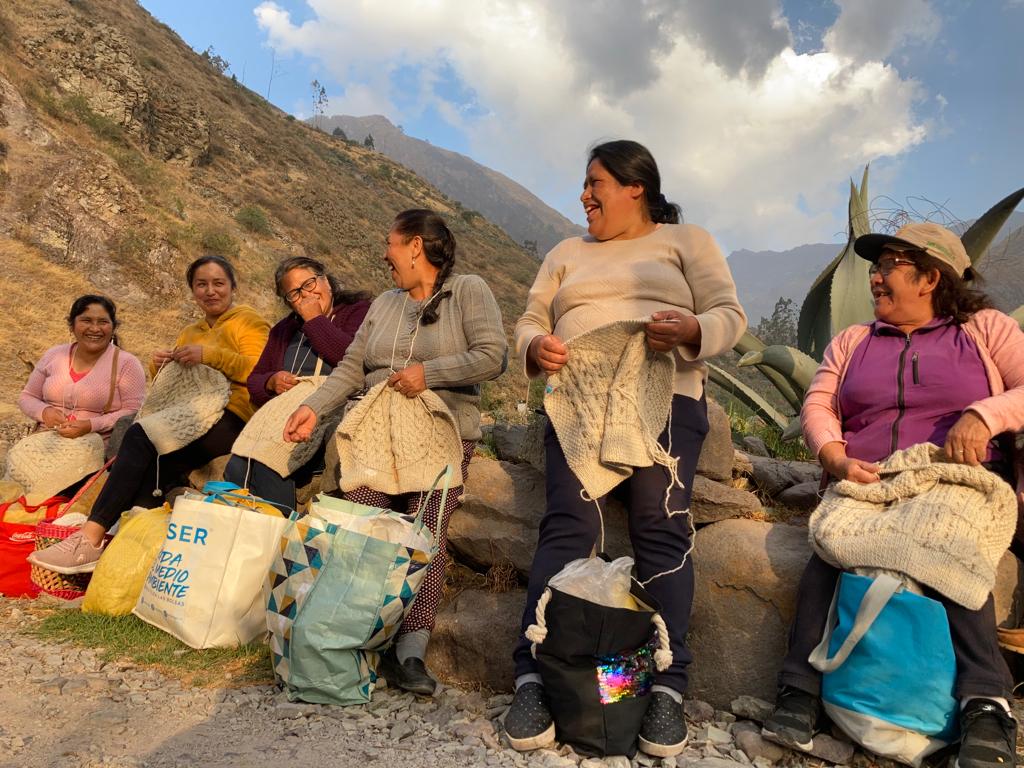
598	665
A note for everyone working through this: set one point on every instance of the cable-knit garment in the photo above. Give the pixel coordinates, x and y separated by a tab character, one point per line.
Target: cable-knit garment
184	402
945	525
609	403
44	463
397	444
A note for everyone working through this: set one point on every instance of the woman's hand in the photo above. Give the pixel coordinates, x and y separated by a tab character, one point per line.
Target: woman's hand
162	356
307	306
549	353
834	460
281	382
51	417
300	425
409	381
669	329
189	355
967	440
76	428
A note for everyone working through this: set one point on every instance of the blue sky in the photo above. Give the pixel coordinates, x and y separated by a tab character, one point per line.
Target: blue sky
758	119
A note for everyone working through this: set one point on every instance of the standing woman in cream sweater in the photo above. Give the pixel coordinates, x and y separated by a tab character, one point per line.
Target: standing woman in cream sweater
637	261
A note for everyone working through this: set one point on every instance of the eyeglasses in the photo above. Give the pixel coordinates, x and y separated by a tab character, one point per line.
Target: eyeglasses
307	285
886	266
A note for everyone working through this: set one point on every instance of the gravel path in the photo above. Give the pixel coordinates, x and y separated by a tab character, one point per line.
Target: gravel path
60	706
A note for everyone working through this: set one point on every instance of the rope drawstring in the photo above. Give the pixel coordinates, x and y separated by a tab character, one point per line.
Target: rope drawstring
537	633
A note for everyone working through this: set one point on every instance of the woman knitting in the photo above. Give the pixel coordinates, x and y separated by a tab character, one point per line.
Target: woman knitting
636	262
938	365
228	339
308	342
80	390
438	332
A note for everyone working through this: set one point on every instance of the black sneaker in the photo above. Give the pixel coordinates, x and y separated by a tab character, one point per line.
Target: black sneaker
528	722
988	736
794	720
663	730
411	675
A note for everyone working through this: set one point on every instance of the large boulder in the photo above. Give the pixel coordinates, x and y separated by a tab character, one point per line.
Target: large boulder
716	455
746	577
474	636
504	505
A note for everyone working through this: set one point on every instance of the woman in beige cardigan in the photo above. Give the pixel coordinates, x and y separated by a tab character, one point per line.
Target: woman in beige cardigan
637	261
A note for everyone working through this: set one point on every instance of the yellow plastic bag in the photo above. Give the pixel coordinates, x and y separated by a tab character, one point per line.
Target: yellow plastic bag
117	581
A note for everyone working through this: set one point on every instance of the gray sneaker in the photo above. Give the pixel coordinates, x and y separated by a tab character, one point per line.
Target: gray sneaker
75	554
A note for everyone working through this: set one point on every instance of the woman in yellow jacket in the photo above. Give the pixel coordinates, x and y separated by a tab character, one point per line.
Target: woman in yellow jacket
230	339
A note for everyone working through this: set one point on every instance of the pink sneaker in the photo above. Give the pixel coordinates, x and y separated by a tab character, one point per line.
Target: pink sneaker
75	554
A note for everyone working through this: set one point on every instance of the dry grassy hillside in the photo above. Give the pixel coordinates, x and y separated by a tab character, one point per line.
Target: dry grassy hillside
124	155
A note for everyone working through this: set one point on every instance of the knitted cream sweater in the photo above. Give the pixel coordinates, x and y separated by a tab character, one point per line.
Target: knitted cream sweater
584	284
945	525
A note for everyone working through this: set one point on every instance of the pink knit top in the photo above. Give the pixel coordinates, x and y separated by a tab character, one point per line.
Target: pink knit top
51	384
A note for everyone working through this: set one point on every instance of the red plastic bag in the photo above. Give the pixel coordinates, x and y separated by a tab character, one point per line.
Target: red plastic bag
17	542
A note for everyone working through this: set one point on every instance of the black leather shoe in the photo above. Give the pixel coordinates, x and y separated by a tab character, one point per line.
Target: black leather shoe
411	675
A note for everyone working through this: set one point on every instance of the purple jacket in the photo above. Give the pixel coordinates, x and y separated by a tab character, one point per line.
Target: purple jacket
329	338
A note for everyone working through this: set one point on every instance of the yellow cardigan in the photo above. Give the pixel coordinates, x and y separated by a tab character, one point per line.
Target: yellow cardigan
232	346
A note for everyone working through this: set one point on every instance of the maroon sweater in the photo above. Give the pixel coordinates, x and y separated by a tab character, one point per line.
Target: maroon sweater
329	336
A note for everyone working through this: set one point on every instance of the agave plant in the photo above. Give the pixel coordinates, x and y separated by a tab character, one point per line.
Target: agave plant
837	299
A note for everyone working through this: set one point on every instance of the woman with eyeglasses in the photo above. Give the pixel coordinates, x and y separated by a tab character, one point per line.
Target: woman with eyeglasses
938	365
310	340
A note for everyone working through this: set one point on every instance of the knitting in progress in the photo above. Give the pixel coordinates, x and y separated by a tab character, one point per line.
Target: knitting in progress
944	525
609	404
261	439
397	444
183	404
44	463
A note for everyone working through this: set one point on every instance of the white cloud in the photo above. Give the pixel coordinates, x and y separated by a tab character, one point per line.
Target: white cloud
874	29
741	125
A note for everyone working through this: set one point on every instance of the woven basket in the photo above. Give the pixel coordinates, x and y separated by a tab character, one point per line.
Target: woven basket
64	586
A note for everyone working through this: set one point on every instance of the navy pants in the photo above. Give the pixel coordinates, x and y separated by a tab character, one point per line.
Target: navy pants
571	528
264	482
133	475
980	667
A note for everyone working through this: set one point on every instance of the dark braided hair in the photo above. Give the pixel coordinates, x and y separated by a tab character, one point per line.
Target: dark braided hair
632	163
438	247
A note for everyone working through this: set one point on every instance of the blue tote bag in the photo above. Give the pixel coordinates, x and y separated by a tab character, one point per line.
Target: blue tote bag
888	669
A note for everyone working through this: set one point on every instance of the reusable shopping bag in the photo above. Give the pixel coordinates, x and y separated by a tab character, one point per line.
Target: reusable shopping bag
888	668
117	581
598	640
343	581
208	584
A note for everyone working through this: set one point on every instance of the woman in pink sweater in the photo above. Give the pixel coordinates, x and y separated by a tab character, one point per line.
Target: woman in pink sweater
87	385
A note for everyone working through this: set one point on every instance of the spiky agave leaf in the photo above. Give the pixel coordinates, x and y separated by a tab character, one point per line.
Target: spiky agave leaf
747	396
979	237
1018	315
850	299
814	327
750	343
797	367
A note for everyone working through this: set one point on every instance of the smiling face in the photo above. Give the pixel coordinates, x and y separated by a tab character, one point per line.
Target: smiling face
400	254
902	297
211	288
614	211
303	284
93	329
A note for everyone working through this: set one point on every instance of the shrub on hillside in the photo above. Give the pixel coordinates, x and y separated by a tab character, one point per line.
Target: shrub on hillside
253	219
219	243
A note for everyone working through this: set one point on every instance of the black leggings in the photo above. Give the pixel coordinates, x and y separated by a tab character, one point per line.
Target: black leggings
133	475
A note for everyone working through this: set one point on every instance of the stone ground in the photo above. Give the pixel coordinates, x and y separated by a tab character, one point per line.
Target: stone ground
61	706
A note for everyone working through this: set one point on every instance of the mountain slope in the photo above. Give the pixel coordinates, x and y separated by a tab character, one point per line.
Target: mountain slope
124	155
511	206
